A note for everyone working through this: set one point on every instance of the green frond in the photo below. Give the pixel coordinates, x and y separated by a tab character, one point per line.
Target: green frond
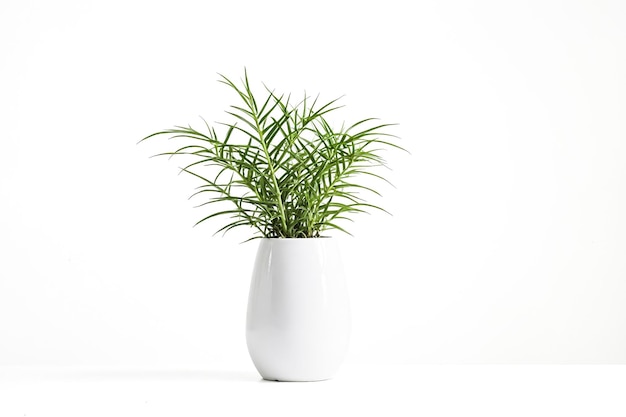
289	173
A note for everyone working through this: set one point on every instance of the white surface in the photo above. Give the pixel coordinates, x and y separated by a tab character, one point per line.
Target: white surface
298	320
408	390
508	236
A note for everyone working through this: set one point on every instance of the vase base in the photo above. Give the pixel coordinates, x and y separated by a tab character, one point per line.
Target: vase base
270	379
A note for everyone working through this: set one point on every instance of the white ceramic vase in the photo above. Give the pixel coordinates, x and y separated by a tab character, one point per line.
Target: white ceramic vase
298	322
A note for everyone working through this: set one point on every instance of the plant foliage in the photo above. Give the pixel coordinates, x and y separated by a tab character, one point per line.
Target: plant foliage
279	167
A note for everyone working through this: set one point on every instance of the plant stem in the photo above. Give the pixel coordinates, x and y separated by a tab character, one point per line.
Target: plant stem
270	165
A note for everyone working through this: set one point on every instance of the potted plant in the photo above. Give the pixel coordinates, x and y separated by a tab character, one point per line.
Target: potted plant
282	170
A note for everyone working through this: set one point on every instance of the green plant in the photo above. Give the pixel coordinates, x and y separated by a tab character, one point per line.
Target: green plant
280	167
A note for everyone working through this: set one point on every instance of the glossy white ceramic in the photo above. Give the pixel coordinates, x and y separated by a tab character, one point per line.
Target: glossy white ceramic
298	321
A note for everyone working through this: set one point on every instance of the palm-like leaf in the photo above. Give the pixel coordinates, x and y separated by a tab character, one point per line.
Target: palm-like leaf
280	167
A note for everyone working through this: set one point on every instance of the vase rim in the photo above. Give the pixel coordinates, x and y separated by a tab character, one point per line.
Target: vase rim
297	238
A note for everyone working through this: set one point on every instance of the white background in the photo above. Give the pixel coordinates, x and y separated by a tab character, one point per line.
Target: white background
507	239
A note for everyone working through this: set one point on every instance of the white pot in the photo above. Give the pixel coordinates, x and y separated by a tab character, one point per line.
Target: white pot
298	322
